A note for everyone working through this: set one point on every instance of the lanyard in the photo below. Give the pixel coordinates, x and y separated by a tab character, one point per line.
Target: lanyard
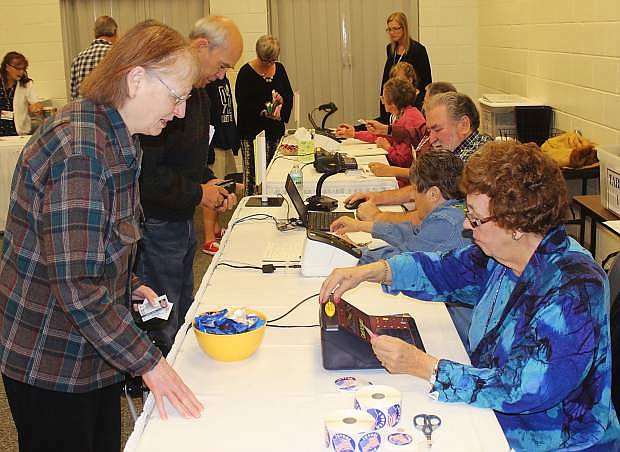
6	95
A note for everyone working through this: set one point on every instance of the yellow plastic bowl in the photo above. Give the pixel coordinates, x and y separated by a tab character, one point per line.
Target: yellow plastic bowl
232	347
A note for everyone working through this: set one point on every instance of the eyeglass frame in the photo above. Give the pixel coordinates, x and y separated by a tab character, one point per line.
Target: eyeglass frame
389	29
178	100
477	222
25	68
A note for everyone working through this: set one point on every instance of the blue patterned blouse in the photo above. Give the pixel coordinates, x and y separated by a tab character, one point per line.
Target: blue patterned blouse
540	348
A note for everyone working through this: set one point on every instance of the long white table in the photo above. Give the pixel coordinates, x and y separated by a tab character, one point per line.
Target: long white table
10	148
342	184
276	400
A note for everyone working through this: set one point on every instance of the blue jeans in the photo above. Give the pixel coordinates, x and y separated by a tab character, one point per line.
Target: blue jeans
165	264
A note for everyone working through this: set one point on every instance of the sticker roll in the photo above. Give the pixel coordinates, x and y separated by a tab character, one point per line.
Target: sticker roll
383	403
351	431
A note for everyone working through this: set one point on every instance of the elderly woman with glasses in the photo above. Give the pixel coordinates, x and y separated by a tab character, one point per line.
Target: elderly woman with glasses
404	48
539	338
264	102
67	336
17	98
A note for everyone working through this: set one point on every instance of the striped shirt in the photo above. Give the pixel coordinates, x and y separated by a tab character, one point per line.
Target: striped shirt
69	243
85	62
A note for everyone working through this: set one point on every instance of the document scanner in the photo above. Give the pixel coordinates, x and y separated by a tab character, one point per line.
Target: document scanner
323	252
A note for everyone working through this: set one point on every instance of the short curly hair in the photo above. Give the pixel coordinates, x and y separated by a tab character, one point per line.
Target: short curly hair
399	92
405	69
526	188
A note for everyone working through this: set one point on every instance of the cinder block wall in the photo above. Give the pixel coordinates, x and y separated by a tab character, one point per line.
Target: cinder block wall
565	53
449	31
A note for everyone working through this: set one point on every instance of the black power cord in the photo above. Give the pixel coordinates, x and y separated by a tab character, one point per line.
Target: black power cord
270	322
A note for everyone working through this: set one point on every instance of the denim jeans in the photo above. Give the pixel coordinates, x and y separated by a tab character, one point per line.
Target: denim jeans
165	264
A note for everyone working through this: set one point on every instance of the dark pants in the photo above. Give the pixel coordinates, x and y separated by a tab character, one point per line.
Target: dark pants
52	421
165	264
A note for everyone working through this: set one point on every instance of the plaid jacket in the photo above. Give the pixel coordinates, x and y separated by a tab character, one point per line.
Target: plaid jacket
69	242
85	62
471	145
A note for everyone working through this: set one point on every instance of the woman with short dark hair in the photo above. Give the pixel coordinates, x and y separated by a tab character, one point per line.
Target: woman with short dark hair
539	338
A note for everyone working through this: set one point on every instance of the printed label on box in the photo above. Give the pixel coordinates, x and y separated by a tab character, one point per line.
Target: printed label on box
613	191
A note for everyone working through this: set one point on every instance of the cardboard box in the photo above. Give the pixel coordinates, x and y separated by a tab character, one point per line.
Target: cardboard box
609	158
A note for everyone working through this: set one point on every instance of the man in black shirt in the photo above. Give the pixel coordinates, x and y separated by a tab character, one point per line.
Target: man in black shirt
175	179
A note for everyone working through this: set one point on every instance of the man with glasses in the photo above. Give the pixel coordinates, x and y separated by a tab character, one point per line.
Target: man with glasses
105	35
452	120
175	179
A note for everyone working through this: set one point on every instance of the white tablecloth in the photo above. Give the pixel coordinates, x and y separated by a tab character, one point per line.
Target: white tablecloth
10	148
342	184
277	399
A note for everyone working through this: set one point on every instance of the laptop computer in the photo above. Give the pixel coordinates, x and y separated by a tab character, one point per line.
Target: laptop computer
316	221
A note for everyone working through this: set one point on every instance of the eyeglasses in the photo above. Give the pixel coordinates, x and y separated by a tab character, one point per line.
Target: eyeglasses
268	60
391	29
178	100
475	222
23	68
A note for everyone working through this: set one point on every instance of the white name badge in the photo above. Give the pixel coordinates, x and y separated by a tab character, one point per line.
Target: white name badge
8	115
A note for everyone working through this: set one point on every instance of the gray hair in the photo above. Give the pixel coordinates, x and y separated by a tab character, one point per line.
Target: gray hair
214	28
457	105
105	26
267	48
440	88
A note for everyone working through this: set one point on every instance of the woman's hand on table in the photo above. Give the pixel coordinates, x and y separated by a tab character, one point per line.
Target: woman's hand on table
399	357
383	143
342	279
380	169
345	131
163	381
36	108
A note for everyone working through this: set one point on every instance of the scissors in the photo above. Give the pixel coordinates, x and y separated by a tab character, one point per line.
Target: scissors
427	423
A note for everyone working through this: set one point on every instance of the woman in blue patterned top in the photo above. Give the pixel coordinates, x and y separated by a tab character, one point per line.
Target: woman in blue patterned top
540	349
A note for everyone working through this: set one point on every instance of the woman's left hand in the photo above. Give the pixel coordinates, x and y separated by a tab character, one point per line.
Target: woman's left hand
399	357
35	108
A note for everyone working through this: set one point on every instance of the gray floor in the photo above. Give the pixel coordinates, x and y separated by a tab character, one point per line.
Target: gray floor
8	434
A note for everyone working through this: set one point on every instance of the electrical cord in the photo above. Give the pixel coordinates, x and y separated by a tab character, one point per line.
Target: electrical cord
270	322
266	268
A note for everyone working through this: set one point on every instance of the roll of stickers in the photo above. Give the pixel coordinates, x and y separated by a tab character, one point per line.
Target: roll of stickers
383	403
351	431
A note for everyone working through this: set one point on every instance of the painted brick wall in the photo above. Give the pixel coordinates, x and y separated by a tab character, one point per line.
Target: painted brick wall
449	30
251	18
565	53
32	27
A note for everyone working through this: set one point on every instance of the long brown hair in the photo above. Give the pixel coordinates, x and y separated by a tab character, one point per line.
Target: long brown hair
149	44
401	18
10	58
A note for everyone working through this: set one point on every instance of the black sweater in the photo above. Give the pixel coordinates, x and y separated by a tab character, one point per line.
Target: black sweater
251	92
174	163
418	58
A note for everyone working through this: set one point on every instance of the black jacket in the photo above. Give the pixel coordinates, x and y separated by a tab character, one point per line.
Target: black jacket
174	163
418	58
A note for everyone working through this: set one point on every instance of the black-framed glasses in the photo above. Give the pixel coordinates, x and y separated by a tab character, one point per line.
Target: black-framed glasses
475	222
389	29
23	68
178	100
